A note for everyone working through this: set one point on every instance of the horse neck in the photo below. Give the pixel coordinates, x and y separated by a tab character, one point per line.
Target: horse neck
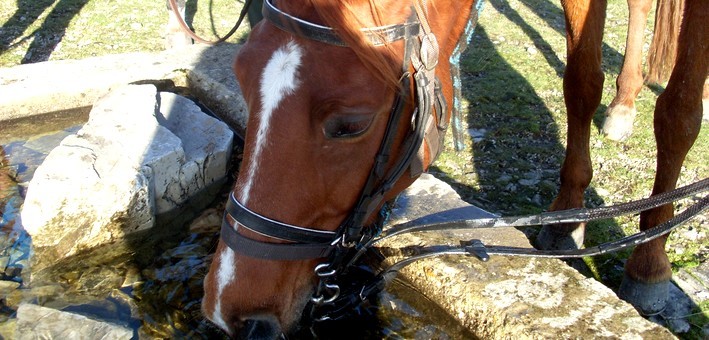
448	20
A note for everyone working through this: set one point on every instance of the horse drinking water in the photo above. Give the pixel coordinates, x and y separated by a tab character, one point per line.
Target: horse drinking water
347	103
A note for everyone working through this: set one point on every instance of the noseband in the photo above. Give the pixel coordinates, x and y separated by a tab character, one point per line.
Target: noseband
421	55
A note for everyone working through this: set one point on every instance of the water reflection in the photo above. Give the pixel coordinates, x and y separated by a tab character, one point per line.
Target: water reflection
14	242
8	194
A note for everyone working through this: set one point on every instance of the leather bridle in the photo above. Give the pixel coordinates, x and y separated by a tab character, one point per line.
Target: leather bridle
421	55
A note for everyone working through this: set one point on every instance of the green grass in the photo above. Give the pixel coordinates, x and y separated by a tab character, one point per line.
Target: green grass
41	30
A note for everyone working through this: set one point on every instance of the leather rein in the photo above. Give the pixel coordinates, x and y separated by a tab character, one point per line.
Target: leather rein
174	8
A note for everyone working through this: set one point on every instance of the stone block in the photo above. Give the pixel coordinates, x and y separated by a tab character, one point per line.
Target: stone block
206	142
140	154
37	322
33	89
508	297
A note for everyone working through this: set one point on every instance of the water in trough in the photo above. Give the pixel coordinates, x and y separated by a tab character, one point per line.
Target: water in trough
156	292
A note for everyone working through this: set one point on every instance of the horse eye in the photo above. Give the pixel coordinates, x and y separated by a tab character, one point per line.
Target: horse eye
347	126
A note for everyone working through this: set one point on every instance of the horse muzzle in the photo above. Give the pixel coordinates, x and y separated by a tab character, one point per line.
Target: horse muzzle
260	329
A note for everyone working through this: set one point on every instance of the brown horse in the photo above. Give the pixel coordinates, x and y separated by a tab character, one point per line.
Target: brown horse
343	118
660	60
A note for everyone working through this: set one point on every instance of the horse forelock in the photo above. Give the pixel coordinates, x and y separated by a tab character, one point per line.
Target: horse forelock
349	17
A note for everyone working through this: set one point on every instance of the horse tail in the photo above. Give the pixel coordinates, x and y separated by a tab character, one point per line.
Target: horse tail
663	48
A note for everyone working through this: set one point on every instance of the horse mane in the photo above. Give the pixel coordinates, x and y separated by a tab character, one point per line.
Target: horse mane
340	15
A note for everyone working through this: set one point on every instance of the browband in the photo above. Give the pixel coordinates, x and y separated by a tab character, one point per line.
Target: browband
378	36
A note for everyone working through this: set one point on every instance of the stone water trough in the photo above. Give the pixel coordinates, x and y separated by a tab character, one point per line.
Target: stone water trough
142	154
502	298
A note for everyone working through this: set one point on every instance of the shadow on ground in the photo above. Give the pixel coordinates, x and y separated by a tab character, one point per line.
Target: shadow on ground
48	35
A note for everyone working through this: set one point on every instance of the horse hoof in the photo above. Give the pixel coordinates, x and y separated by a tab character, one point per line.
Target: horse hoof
648	298
619	122
550	239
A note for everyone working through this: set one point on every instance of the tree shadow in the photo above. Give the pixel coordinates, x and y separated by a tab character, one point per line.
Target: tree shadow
28	11
554	18
45	38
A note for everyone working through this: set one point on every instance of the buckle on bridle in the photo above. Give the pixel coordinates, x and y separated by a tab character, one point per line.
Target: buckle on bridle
428	52
476	248
347	244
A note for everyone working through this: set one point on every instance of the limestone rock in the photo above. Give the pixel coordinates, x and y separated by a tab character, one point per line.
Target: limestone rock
508	297
37	322
141	153
206	142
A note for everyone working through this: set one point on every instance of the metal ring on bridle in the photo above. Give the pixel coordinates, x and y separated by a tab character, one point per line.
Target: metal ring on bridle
324	270
319	299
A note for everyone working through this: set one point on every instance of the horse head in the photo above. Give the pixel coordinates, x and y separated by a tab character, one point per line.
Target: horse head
347	102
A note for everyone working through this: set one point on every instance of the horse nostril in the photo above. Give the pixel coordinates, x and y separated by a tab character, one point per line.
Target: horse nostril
260	329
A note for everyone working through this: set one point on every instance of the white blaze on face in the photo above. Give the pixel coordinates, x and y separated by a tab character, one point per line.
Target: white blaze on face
279	79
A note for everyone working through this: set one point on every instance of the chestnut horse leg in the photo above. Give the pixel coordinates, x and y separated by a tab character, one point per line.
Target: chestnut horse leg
678	116
621	112
583	83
